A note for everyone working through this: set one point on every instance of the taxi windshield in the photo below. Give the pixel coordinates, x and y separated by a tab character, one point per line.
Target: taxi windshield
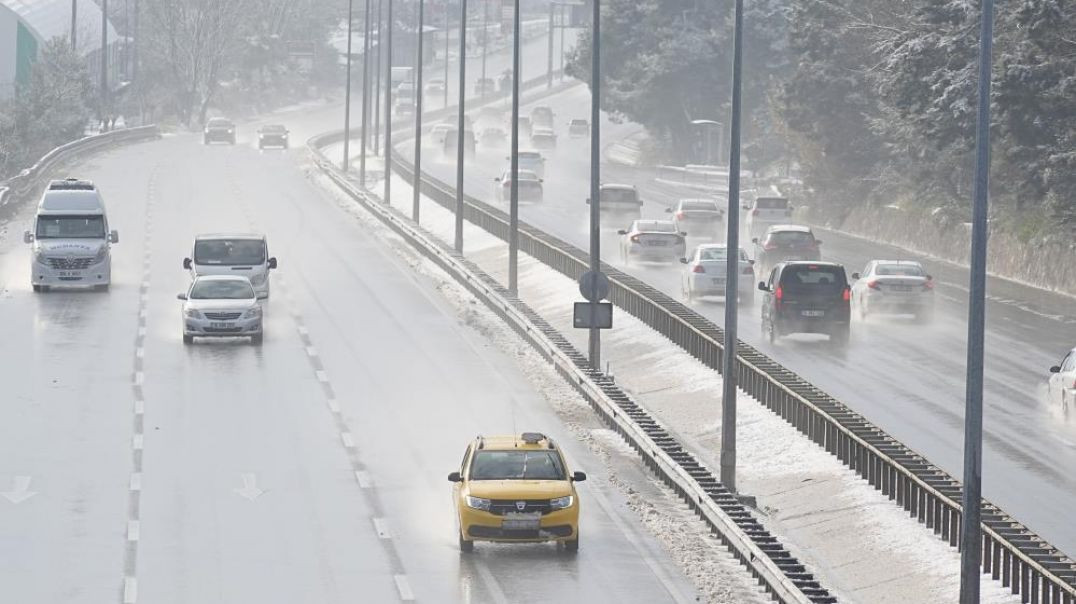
517	465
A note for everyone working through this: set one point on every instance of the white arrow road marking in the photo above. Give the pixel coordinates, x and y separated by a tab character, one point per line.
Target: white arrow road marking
250	488
20	490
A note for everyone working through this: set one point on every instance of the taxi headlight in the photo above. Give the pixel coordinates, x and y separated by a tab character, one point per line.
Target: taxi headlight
253	313
477	503
192	313
561	503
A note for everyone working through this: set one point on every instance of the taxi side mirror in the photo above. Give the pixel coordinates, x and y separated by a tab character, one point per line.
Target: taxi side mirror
578	476
455	477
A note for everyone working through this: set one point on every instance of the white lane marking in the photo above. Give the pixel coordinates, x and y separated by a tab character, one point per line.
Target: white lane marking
310	351
404	587
303	331
140	407
491	584
138	377
134	530
347	440
136	481
142	332
322	376
20	490
137	442
365	481
333	405
130	590
140	352
381	525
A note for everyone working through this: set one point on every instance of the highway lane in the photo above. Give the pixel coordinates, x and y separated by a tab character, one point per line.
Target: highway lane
247	489
907	378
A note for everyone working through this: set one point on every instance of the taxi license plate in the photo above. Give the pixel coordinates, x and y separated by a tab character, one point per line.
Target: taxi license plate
221	325
813	313
522	522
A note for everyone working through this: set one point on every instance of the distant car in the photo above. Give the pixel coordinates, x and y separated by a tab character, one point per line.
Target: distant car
221	306
578	128
543	138
219	129
484	86
493	136
525	125
504	83
765	212
1061	386
698	217
438	132
272	135
619	204
516	489
651	240
435	86
405	91
542	115
451	142
895	287
404	107
786	242
706	271
530	186
807	297
531	160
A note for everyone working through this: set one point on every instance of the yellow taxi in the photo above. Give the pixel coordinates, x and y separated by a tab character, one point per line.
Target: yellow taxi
516	489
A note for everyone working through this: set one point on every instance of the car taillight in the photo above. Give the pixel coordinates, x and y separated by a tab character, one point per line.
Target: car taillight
779	293
872	284
928	284
748	270
846	295
754	212
698	269
679	215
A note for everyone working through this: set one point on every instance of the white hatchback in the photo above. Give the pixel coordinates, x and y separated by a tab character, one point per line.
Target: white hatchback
1061	387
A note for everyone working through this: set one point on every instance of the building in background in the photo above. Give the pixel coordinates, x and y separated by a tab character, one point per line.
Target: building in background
25	26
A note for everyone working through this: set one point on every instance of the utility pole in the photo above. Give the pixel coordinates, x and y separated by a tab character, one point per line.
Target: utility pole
732	270
485	43
562	26
513	209
460	132
549	67
390	26
377	79
347	91
970	519
446	54
74	25
104	60
365	92
594	345
416	183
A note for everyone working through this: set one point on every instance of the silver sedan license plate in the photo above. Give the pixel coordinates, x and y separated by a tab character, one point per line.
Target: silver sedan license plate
221	325
522	522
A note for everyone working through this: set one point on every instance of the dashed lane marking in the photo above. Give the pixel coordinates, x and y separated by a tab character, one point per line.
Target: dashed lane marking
403	586
381	526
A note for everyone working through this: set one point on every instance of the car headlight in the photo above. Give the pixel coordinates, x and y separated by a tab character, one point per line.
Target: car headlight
192	313
258	278
39	255
253	313
561	503
477	503
102	254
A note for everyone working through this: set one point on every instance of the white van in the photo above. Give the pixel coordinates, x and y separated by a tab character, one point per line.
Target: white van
245	255
72	245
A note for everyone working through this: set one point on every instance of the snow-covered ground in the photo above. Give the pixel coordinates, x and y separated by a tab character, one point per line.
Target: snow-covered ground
862	546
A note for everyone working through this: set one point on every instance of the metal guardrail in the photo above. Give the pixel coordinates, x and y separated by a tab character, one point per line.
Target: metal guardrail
784	577
1012	553
26	182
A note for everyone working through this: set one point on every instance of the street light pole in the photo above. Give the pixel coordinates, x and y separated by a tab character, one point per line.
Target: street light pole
377	81
104	59
549	67
74	25
416	183
365	91
971	530
445	103
347	92
732	270
594	347
513	208
459	126
390	26
562	26
485	43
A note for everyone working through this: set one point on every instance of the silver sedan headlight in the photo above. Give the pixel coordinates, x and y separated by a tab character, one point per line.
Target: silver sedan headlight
191	313
478	503
253	313
561	503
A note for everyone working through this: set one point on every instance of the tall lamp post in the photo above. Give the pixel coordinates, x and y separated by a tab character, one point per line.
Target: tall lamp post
594	347
74	25
416	184
460	138
971	530
445	103
389	25
377	80
104	60
513	209
732	269
366	29
347	92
